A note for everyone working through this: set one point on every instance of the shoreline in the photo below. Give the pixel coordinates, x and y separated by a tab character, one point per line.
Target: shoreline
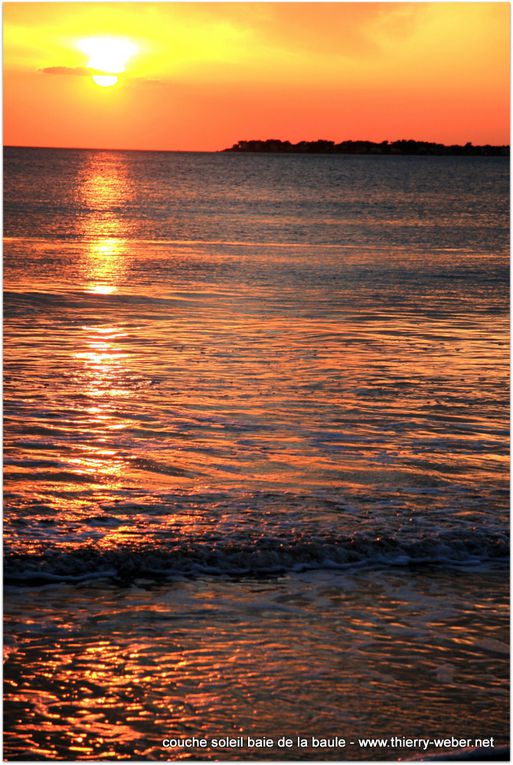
408	147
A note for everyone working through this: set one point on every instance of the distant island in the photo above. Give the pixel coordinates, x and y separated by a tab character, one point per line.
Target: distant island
276	146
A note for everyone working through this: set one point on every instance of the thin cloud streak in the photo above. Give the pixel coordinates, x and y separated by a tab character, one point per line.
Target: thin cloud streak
77	71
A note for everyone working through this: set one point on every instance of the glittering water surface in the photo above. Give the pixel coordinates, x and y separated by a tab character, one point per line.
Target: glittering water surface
222	367
106	672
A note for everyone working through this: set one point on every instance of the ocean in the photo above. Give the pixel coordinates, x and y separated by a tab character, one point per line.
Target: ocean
256	454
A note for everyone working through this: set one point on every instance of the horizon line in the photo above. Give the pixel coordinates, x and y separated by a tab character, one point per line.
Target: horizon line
228	149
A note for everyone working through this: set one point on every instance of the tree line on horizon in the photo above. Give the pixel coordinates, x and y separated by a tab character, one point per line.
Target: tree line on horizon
321	146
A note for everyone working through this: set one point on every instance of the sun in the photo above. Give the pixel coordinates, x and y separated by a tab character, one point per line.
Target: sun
105	80
107	57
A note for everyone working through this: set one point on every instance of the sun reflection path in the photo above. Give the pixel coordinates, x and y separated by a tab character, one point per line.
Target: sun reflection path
105	191
105	266
103	373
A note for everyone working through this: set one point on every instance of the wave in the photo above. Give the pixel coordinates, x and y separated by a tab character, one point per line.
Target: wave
269	557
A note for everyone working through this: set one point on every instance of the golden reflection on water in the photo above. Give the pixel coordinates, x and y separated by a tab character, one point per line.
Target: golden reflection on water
214	658
104	192
103	370
105	184
105	265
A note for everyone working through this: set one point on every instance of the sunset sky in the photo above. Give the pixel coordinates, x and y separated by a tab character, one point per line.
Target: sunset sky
201	76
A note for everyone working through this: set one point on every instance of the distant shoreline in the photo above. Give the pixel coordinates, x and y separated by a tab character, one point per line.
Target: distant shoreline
394	148
272	146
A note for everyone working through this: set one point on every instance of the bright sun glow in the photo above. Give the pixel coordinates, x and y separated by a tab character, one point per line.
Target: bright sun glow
105	80
108	56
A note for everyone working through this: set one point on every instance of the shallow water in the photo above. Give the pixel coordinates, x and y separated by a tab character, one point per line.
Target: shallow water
225	406
107	672
118	670
222	367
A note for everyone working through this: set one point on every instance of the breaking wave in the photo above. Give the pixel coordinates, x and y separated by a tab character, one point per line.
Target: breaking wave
270	557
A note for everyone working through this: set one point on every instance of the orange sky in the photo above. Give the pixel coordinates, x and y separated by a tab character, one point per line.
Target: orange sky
201	76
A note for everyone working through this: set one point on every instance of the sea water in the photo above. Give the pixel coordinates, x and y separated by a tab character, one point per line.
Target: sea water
255	452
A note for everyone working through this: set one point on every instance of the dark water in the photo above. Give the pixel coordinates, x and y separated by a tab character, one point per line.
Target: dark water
255	423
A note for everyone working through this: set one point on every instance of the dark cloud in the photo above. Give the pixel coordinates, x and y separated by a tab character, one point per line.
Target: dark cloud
77	71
